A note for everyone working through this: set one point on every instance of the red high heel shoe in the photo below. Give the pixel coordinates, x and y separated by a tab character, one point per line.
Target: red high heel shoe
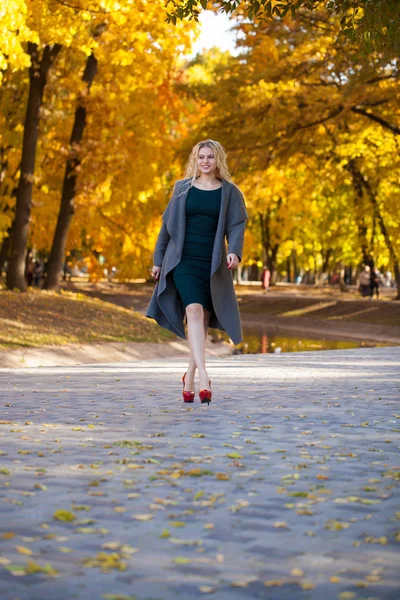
206	395
187	396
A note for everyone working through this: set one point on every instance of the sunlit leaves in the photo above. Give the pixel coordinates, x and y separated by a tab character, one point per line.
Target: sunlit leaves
132	116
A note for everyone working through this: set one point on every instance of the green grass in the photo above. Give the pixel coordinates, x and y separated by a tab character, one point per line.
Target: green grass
39	318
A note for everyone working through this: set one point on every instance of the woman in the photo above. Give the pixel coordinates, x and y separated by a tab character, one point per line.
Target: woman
365	281
375	281
192	268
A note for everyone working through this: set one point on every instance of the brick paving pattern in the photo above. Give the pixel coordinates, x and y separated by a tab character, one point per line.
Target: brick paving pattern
284	488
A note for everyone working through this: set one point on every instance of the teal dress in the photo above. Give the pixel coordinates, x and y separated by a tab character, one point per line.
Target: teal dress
192	275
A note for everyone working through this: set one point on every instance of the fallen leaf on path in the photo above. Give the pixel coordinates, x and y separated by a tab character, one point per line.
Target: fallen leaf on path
24	550
64	515
181	560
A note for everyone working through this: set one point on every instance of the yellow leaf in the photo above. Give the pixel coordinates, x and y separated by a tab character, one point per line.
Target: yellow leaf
307	585
165	533
181	560
373	578
64	515
207	589
143	517
297	572
222	476
24	550
176	474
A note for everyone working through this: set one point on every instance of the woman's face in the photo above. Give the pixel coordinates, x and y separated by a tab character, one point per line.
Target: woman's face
206	161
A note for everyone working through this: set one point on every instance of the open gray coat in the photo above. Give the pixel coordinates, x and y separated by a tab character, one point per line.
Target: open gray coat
166	306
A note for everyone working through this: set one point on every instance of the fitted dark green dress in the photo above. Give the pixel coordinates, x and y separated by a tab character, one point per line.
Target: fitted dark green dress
192	275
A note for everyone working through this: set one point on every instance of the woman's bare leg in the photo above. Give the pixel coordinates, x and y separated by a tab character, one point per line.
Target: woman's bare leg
196	336
191	370
206	321
190	373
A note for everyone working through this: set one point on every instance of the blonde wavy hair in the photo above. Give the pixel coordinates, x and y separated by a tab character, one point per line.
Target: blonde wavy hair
220	155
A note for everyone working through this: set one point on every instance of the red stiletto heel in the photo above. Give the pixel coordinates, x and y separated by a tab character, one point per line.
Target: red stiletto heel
187	396
206	395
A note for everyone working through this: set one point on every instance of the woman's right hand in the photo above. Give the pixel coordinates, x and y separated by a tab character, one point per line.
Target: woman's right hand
155	273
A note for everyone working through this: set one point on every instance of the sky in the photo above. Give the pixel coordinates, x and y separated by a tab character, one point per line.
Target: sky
214	32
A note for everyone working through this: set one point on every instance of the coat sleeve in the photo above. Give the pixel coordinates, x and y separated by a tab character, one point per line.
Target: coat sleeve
161	245
163	236
236	222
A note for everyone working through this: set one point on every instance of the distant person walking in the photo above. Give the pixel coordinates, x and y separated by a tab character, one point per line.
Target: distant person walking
29	271
365	281
265	279
387	278
375	281
38	270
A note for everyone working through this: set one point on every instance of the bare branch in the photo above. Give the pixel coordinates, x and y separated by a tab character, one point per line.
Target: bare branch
372	117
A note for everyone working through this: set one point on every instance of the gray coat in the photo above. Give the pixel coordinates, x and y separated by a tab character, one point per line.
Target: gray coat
166	306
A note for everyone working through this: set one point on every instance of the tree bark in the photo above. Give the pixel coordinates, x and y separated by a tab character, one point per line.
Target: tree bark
361	210
67	208
38	73
377	212
5	247
326	258
270	248
289	269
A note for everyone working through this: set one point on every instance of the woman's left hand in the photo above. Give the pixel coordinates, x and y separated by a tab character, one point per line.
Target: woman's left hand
233	260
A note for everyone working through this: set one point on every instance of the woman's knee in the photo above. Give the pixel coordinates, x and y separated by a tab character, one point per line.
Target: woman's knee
195	312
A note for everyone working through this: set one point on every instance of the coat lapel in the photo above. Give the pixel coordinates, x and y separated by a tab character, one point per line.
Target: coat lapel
220	233
175	220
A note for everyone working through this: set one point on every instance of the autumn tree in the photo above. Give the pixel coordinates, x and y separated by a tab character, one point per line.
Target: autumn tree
292	99
372	24
128	117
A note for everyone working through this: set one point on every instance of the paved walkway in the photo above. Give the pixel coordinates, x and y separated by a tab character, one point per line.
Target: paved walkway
284	488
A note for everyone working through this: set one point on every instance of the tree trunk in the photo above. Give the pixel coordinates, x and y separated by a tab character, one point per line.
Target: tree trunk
38	72
385	233
367	257
295	270
270	249
289	269
271	263
326	259
5	247
67	208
